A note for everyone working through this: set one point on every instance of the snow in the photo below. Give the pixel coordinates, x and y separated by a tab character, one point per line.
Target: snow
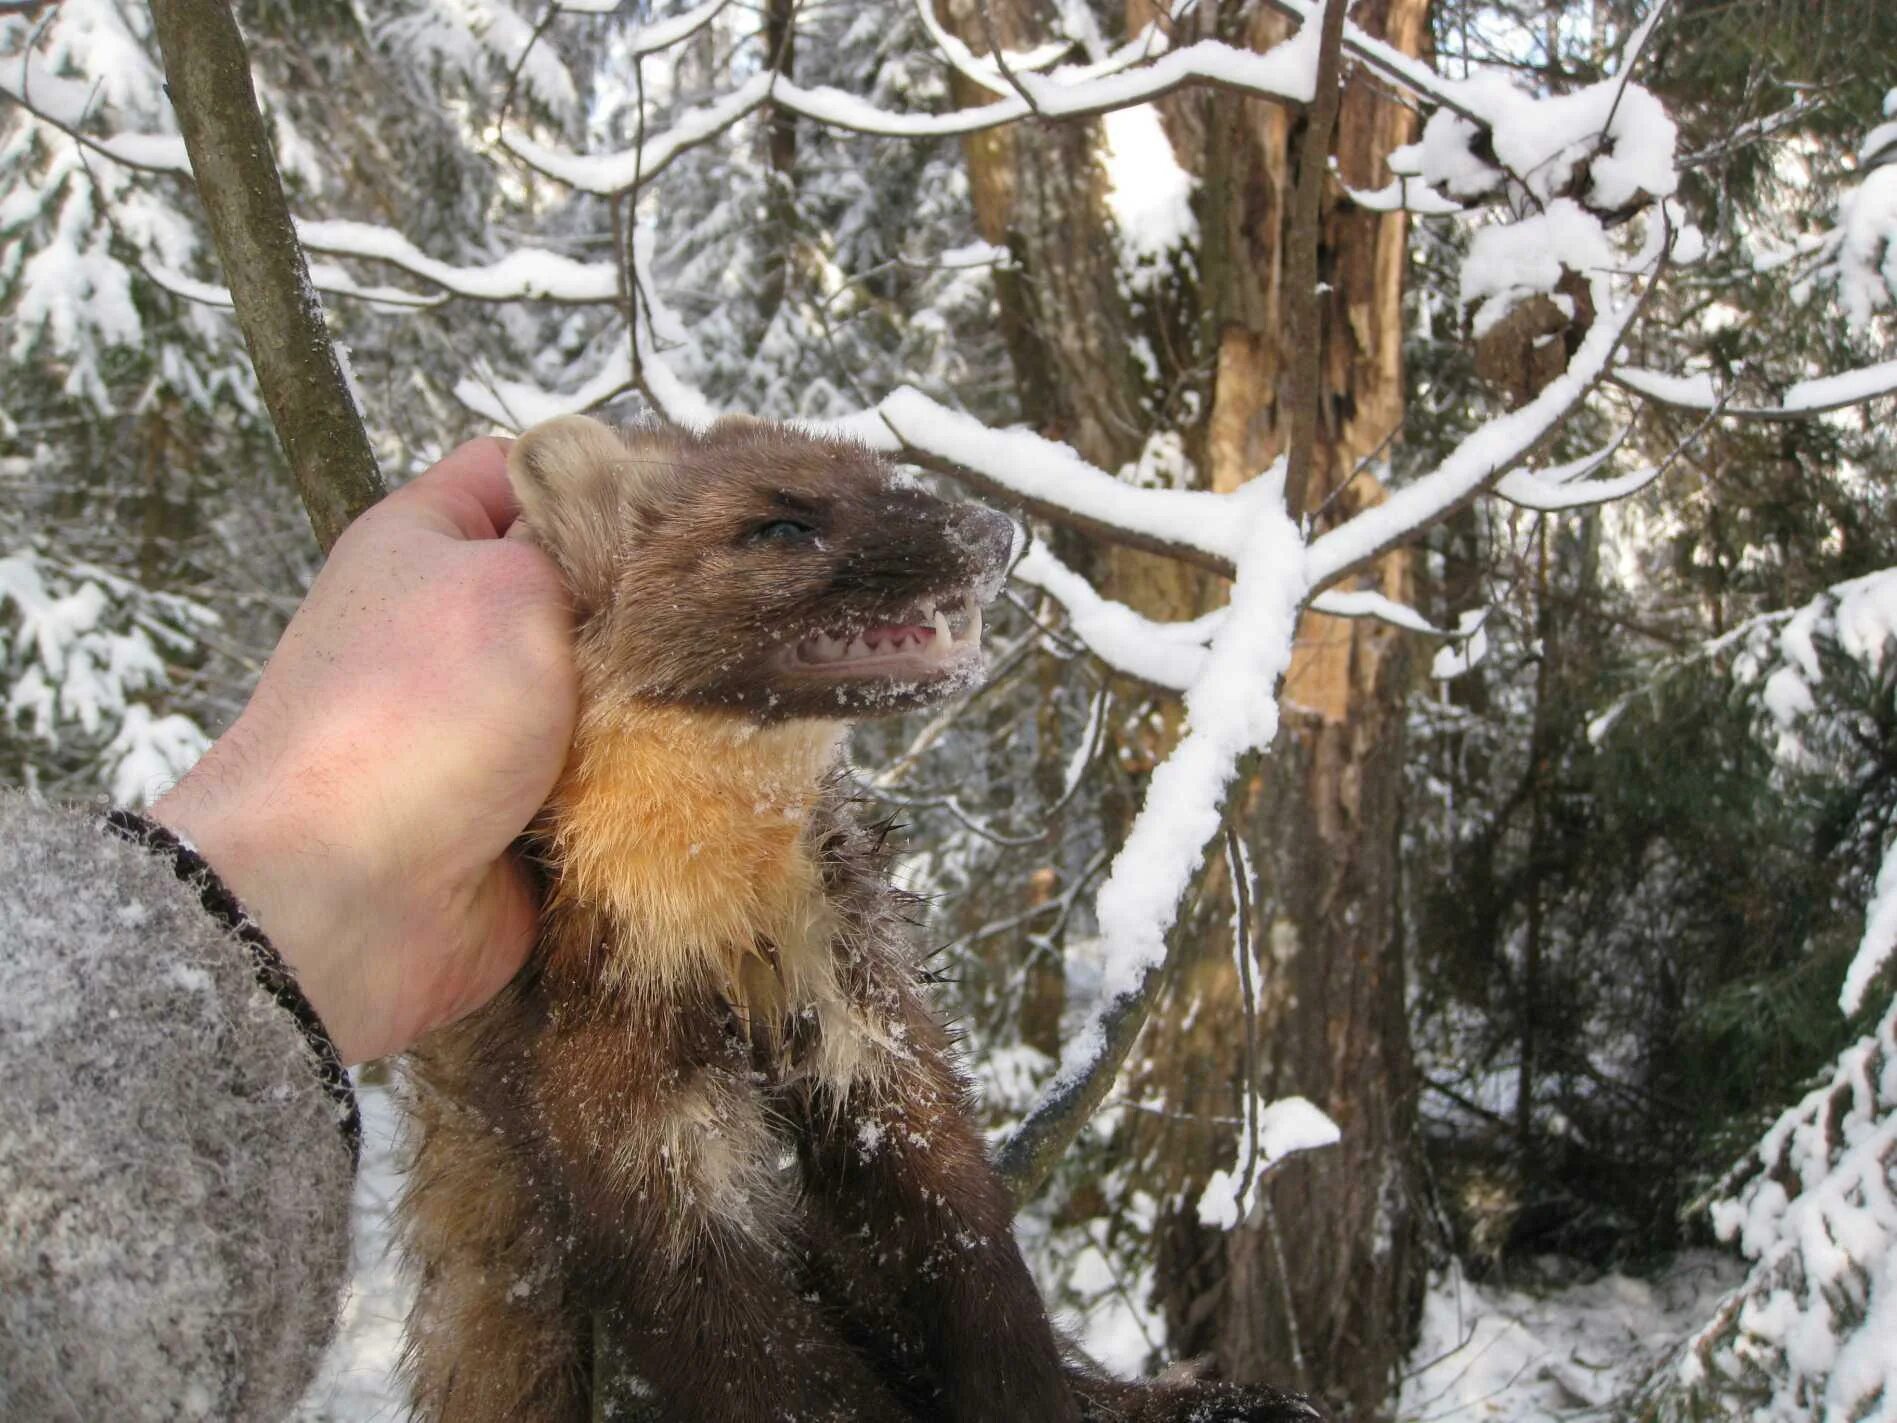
1148	193
1367	603
471	36
1043	469
1694	391
659	34
73	289
1285	1127
1538	490
1489	1353
1803	1337
525	274
1879	145
1880	938
1834	392
356	1382
34	85
983	69
1510	261
1617	130
1471	646
1287	71
515	404
1865	267
1405	194
1231	709
1814	1207
618	172
1168	655
972	254
80	646
150	754
1489	451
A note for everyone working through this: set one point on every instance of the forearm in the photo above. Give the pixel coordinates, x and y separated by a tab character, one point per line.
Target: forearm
174	1173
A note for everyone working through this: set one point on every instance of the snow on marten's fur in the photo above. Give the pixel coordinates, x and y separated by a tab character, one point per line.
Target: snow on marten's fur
711	1133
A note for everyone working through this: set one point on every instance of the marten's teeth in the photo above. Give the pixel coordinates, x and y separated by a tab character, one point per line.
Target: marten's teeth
944	639
858	647
974	622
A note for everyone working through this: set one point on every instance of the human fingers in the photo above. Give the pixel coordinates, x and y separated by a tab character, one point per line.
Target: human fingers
465	494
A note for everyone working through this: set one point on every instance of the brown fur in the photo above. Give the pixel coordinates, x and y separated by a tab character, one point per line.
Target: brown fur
711	1128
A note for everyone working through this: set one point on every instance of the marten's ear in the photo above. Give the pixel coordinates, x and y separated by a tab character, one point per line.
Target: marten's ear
569	474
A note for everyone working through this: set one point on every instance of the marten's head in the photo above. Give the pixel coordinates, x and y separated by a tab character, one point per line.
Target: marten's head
753	568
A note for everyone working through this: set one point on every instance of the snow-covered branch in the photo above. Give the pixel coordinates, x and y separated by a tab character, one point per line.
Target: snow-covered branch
63	104
1232	712
1284	73
1802	399
1491	451
1049	478
526	274
995	72
658	35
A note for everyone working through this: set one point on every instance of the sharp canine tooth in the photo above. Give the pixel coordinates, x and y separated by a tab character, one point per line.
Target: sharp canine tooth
943	637
974	625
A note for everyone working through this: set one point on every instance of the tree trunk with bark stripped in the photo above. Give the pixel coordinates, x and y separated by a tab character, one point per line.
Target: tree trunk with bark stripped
1318	1289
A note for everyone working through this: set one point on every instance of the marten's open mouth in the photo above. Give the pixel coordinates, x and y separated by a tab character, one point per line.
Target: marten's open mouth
928	640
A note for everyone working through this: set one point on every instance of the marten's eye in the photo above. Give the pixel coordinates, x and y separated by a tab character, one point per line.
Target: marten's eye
782	531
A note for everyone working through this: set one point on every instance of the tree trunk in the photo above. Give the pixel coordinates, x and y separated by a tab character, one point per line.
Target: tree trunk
1319	1288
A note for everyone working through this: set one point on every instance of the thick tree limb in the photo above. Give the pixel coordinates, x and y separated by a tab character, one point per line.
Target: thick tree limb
207	72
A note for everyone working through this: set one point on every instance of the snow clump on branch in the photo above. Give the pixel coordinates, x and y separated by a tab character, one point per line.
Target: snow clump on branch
1609	146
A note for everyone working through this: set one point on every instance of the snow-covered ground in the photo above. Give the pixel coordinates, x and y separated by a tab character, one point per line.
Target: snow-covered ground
1490	1355
1487	1355
357	1382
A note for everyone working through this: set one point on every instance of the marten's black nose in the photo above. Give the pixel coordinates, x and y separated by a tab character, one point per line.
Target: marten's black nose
987	537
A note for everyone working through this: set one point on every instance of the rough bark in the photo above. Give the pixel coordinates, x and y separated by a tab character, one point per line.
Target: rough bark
207	74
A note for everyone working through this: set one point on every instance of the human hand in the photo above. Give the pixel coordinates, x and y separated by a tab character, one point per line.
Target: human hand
413	718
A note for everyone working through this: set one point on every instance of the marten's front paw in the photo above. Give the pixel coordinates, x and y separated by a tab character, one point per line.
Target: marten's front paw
1198	1402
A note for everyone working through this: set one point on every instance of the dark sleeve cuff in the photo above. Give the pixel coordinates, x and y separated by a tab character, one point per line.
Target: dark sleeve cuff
278	981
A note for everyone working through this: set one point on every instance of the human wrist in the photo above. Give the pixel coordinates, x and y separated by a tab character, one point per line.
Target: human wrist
254	838
268	967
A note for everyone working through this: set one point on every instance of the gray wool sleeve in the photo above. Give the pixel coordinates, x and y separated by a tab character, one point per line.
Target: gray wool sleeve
174	1182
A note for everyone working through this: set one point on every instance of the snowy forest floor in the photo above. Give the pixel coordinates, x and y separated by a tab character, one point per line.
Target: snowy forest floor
1488	1355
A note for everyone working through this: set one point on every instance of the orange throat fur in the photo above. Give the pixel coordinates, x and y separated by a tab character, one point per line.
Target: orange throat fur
685	832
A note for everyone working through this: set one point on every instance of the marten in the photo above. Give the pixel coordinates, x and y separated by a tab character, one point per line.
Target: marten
710	1131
